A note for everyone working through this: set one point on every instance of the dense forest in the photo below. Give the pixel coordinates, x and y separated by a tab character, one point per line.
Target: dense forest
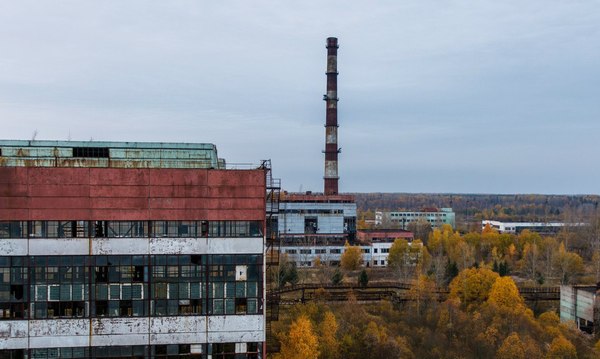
489	320
475	207
483	317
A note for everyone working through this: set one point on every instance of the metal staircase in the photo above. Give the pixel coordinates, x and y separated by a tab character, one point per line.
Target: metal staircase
272	245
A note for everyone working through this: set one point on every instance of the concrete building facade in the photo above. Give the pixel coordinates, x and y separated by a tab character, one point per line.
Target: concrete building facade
313	218
435	217
375	246
580	304
142	250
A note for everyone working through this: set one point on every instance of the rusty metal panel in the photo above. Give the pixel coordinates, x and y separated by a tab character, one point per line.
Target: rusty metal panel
14	214
178	191
181	177
59	203
58	176
14	202
236	178
120	203
119	176
118	191
56	190
126	194
236	191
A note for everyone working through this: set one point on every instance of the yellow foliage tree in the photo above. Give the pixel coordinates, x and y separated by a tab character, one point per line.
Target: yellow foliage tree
351	258
422	293
300	342
399	254
549	319
505	296
328	343
561	348
511	348
569	264
472	285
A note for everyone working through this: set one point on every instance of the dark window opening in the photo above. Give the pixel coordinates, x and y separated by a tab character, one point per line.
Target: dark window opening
101	274
101	308
91	152
16	292
310	225
241	305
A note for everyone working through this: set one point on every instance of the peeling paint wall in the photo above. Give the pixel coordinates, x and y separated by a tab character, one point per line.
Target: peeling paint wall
124	246
51	333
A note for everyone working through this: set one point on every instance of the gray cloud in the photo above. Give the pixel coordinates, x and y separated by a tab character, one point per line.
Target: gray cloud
452	96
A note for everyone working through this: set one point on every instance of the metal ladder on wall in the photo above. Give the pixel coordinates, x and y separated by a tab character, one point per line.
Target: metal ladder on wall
273	188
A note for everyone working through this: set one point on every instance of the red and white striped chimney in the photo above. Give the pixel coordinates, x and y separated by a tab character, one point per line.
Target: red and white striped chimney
331	126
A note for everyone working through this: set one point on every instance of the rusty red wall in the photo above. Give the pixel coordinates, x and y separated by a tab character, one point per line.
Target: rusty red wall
35	193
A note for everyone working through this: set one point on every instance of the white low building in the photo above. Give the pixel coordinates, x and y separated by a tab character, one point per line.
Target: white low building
518	227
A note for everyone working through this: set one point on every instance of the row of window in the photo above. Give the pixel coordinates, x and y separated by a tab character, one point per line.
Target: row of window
333	251
136	229
336	263
157	285
314	211
200	351
418	214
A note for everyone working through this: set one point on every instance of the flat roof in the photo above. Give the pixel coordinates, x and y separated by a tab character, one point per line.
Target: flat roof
317	198
23	153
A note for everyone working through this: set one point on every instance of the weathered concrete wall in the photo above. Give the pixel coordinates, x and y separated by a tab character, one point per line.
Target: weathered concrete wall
178	330
13	334
20	334
58	246
236	328
126	246
59	332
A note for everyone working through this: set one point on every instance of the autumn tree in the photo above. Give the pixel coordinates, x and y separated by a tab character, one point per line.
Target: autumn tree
351	258
472	285
511	348
288	273
300	342
399	258
505	297
531	261
337	277
422	293
561	348
568	264
363	278
328	343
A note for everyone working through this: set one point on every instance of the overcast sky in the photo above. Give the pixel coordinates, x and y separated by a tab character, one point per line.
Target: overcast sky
435	96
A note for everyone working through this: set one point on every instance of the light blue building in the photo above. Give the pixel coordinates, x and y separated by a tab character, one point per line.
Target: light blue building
435	217
317	218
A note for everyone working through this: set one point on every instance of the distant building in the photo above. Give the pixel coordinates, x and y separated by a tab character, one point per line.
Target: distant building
375	246
580	304
518	227
374	254
124	249
435	217
383	235
316	219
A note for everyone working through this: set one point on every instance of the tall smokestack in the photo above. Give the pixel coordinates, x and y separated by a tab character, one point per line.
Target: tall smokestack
331	146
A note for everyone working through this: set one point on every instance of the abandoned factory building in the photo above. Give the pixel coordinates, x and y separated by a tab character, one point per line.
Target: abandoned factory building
129	250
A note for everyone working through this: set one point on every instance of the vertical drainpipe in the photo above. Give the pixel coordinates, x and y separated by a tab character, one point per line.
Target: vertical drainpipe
331	146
